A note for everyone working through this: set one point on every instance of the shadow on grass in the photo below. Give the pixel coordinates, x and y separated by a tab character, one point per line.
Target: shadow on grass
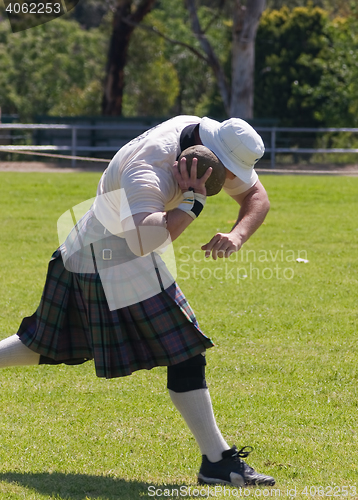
82	487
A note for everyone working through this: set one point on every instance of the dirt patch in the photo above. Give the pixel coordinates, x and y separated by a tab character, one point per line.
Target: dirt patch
49	167
83	166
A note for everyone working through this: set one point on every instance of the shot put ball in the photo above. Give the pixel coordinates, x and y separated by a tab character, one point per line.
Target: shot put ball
206	159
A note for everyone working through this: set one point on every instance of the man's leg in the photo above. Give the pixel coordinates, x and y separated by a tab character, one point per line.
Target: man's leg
190	395
220	463
14	353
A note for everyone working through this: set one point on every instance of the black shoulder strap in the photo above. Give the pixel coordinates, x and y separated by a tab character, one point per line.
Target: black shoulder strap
187	137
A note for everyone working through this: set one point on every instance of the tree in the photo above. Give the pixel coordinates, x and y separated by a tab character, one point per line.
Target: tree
151	80
167	30
339	79
292	55
246	21
238	101
128	14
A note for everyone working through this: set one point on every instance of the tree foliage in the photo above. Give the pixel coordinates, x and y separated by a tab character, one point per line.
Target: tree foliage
152	84
306	67
333	7
196	81
339	81
53	68
289	63
90	13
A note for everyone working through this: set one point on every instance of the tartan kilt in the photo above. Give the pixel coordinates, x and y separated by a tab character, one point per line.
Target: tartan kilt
73	324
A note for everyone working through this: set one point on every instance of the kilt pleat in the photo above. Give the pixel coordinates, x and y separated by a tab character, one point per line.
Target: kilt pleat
73	323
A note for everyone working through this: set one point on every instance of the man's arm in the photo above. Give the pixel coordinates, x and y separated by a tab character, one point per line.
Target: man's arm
254	206
153	230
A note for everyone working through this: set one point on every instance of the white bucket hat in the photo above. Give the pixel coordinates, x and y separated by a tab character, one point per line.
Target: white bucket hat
234	142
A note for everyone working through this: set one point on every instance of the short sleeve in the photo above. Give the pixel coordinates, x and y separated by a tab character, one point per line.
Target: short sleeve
146	190
236	186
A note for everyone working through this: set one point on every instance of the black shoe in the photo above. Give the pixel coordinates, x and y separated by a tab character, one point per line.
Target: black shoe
232	470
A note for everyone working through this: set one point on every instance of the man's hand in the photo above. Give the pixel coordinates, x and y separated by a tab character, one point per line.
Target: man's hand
185	181
254	207
222	245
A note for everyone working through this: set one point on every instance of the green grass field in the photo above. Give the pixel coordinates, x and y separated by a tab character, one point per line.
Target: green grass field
283	375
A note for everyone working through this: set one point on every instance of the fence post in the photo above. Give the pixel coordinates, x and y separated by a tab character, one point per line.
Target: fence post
273	147
74	146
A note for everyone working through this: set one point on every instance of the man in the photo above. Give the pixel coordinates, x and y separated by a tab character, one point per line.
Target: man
108	295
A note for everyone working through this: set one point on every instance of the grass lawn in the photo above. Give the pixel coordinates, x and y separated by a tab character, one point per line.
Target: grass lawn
283	375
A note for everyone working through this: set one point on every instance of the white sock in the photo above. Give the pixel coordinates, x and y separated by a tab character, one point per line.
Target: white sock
197	411
14	353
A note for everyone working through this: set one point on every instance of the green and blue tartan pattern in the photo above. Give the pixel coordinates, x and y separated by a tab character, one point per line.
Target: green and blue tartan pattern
73	324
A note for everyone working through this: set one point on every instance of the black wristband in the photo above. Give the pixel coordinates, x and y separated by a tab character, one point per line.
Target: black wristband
197	208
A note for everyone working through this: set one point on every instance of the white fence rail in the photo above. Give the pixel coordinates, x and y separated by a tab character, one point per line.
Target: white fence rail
76	138
273	149
68	137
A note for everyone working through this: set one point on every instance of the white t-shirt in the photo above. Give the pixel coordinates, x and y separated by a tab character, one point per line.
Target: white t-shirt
140	176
